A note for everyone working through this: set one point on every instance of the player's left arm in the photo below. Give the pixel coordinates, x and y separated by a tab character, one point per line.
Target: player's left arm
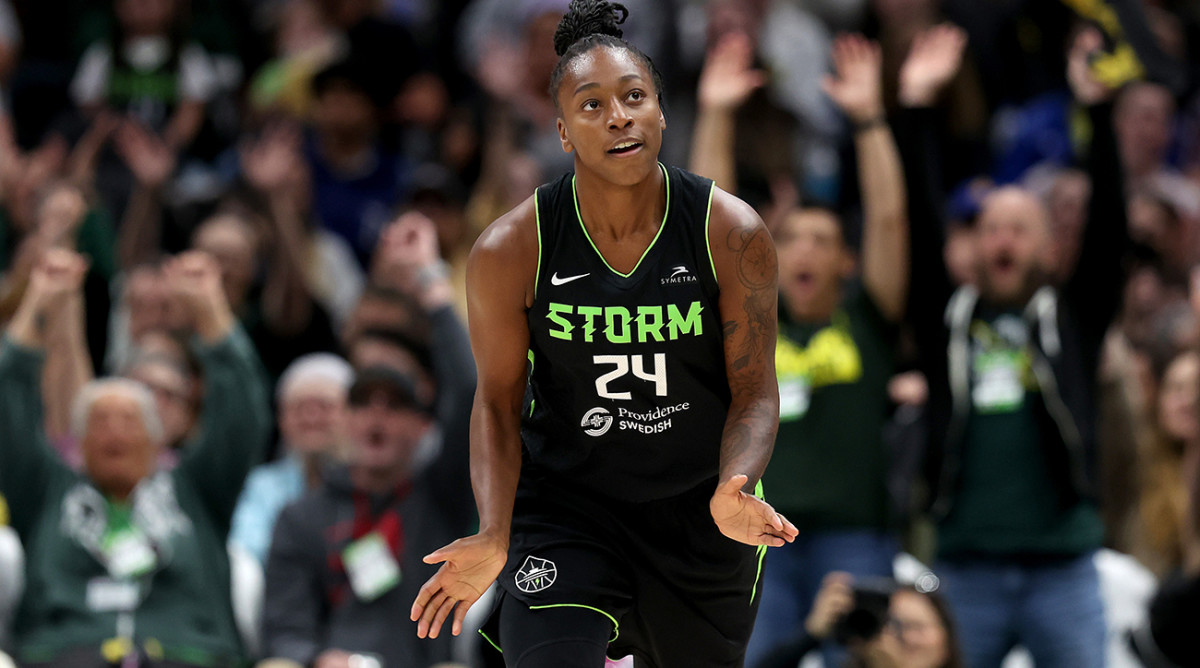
743	255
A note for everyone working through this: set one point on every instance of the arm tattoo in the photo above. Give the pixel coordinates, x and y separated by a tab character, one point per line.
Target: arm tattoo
757	269
750	430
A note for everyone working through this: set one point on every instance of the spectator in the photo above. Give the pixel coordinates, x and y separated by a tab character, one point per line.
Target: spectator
304	44
834	358
886	625
123	560
334	588
320	263
407	261
173	383
1170	637
356	182
278	313
146	69
10	49
1163	496
1011	366
311	398
143	310
46	212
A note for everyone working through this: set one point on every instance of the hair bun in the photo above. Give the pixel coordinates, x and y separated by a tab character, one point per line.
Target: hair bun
588	17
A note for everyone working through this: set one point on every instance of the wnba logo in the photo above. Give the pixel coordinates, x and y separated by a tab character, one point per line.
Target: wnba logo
536	574
596	421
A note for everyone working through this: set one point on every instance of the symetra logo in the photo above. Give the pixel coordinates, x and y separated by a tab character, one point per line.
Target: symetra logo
535	574
679	274
555	280
596	421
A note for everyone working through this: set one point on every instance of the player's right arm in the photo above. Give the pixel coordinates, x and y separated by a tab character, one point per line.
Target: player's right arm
501	272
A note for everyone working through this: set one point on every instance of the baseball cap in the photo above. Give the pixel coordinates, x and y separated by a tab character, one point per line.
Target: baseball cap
399	387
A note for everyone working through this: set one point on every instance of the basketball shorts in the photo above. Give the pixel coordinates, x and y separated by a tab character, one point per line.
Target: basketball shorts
677	592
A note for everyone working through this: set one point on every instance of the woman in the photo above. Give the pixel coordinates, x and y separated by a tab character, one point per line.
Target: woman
639	301
1163	500
916	633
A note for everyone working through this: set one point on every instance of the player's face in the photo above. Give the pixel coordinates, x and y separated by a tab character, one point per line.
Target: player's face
610	115
813	258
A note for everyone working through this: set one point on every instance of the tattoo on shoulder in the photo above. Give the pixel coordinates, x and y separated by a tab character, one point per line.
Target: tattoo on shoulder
757	270
756	264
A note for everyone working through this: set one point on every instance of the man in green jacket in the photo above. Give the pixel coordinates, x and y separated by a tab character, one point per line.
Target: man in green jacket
126	564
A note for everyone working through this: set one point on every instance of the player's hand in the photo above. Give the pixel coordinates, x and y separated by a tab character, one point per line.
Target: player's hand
858	87
934	58
747	518
469	566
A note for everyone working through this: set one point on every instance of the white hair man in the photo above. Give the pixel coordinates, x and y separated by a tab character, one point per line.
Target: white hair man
311	397
125	560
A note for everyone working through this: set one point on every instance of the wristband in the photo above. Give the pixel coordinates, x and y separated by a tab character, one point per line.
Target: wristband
432	273
871	123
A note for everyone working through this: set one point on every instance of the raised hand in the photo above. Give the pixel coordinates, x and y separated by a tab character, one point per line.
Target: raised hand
747	518
934	58
269	162
1088	90
145	153
61	213
194	279
58	274
857	86
406	246
469	566
728	78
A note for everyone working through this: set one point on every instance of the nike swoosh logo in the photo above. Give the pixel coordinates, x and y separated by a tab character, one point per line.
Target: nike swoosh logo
555	280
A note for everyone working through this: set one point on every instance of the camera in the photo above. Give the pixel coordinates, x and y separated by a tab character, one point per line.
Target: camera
872	598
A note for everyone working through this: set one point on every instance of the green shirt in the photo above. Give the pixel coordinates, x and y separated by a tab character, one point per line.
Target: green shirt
1007	504
829	467
69	528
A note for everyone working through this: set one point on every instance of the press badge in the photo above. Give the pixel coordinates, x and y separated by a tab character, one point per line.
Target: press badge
795	395
372	569
998	387
112	595
128	553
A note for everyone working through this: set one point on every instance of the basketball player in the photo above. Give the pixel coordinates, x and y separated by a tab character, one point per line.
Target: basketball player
623	321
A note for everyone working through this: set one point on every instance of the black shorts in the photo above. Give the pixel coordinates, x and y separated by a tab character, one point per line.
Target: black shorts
679	594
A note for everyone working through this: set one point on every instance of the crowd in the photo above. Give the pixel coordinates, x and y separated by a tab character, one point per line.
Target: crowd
235	379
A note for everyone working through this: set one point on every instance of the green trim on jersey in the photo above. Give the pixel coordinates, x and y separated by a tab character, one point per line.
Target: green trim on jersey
761	549
707	239
537	222
579	217
616	625
529	355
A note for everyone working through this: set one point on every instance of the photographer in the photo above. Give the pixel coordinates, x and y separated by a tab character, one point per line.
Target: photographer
883	624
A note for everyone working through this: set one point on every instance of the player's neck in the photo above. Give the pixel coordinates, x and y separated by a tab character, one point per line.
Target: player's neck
618	211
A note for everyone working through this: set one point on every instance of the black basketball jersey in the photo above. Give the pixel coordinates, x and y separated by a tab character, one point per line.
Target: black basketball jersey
627	393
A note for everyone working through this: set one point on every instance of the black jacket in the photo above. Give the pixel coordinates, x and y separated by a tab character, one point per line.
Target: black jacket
1068	325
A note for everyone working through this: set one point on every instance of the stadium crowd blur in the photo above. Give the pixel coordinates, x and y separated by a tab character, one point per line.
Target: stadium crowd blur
235	381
